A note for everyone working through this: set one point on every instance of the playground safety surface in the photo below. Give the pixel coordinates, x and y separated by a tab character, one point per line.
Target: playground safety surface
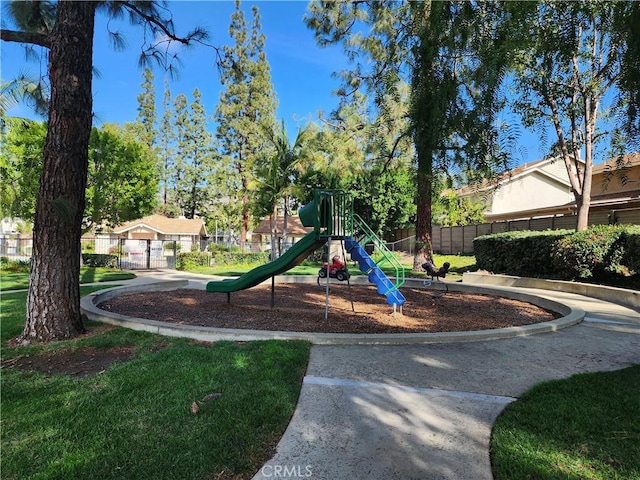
352	309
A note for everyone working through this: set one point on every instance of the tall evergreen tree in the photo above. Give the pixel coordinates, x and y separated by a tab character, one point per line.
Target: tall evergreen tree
166	138
181	129
191	169
247	105
435	47
66	29
198	167
147	111
627	24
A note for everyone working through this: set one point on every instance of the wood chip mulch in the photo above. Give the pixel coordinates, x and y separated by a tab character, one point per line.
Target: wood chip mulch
354	309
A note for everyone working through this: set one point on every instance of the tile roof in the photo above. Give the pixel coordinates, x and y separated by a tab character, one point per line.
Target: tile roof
166	225
630	160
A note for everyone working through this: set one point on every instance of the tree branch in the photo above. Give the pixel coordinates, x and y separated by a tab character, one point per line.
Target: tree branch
154	21
25	37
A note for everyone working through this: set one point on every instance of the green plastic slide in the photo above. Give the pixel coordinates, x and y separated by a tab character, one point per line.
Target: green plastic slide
292	257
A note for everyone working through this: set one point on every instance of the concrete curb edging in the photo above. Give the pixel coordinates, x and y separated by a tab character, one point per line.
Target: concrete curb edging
621	296
571	316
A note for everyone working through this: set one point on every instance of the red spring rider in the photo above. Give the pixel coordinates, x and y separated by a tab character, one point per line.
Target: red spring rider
336	269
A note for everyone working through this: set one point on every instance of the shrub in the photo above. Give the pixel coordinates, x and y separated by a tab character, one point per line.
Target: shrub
117	250
240	258
191	260
217	247
589	253
517	253
15	266
630	239
172	245
89	246
100	260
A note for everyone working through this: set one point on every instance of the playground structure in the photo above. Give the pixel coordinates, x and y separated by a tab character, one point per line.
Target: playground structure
332	218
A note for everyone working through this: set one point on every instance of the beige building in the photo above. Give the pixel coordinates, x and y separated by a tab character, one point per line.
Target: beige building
186	232
618	191
542	189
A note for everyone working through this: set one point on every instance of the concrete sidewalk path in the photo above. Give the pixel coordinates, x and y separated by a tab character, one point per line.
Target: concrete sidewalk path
426	411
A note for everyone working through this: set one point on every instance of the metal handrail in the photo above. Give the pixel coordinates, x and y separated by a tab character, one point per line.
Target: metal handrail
411	240
368	236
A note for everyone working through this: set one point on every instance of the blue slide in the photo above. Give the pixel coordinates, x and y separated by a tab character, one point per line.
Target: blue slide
375	274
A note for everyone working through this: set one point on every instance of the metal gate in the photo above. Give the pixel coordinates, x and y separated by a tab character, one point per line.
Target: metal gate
146	254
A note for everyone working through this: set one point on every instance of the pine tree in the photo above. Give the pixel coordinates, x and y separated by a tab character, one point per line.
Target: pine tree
166	140
432	45
66	29
147	110
177	175
247	104
198	167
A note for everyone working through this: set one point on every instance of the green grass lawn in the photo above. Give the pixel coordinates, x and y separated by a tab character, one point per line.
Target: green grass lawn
20	280
133	420
584	427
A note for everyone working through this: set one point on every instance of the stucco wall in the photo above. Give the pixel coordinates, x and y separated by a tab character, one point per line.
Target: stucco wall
528	192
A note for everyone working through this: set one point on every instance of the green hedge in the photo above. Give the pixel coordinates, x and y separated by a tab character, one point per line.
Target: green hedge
14	266
100	260
631	242
240	258
589	253
190	260
522	253
600	250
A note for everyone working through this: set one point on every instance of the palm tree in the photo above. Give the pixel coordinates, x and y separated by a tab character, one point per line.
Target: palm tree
274	176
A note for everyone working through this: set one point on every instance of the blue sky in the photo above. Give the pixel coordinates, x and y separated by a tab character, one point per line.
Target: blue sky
301	71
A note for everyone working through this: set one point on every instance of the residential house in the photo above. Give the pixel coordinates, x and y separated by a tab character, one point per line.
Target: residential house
158	228
523	192
618	191
542	189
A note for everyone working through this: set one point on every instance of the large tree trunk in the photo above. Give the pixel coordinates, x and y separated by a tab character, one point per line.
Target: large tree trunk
427	106
424	246
53	301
